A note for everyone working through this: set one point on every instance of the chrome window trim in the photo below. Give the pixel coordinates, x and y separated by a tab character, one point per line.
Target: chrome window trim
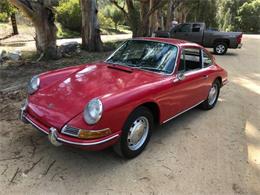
202	59
183	112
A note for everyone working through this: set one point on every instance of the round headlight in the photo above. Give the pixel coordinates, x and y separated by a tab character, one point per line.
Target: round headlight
34	84
93	111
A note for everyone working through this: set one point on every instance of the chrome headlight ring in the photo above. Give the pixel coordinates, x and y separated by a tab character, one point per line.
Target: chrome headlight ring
34	84
93	111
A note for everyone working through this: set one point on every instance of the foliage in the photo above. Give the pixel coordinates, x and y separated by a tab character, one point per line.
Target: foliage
203	11
66	33
249	16
105	22
112	13
227	14
69	15
6	9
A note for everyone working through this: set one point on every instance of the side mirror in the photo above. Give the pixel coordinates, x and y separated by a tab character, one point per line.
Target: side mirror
180	76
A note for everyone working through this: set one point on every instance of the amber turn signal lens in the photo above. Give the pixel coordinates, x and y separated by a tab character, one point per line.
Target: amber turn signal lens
90	134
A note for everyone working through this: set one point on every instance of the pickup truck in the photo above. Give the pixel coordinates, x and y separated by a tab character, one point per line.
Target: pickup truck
196	32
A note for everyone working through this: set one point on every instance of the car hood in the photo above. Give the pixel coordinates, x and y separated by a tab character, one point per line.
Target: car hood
58	103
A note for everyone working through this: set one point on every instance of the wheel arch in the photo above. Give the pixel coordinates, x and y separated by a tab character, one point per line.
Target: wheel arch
153	107
219	78
227	41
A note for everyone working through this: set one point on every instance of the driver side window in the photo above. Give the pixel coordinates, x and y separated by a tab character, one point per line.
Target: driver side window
190	60
185	28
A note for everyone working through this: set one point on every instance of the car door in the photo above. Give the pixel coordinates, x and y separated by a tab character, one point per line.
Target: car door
182	32
190	83
196	34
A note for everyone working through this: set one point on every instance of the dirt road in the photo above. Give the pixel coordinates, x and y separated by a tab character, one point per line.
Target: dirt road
212	152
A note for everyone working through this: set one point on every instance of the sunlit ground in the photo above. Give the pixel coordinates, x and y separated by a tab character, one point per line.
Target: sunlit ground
253	144
248	84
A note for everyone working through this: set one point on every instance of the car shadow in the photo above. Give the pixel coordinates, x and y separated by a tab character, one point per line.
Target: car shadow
227	54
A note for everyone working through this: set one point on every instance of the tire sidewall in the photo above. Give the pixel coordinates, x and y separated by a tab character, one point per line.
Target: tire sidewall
220	43
141	111
218	88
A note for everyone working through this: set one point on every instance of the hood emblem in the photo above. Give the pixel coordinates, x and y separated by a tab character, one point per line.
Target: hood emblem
50	106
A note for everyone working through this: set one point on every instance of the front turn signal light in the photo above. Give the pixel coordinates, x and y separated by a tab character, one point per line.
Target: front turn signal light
92	134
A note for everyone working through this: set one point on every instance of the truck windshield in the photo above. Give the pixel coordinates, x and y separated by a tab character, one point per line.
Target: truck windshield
148	55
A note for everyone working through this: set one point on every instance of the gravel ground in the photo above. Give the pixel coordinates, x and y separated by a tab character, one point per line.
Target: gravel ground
199	152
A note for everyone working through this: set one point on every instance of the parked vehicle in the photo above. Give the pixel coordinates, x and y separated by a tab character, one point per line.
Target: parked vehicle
146	82
211	38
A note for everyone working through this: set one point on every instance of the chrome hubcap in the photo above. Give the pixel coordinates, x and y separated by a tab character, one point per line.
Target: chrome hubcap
138	133
213	94
220	48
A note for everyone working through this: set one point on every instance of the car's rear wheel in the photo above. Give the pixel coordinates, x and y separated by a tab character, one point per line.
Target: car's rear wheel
220	48
212	99
135	133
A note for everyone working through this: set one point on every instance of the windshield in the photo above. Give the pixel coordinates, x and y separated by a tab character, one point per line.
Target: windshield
148	55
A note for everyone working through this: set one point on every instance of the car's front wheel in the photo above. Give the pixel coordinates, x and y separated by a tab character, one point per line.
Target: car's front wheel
213	94
135	133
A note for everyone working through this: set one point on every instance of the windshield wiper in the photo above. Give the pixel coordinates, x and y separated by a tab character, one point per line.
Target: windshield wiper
151	69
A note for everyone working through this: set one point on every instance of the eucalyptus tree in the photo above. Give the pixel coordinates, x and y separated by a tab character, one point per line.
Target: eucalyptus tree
42	15
91	40
140	14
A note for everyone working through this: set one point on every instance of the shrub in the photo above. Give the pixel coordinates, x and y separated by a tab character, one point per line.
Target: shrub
249	16
69	15
4	17
104	21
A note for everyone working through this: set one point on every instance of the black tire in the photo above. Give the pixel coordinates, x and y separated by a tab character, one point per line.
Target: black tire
122	147
206	105
220	48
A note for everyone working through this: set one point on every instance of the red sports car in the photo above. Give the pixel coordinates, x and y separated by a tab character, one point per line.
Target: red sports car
145	82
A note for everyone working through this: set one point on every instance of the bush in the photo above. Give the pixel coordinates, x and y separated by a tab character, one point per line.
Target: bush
249	16
4	17
104	21
114	16
69	15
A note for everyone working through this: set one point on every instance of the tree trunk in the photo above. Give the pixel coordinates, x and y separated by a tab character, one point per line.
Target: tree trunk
43	19
46	33
91	40
133	18
139	18
153	20
14	24
169	15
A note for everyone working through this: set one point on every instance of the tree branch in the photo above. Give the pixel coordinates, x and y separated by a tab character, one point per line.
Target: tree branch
25	6
157	5
118	6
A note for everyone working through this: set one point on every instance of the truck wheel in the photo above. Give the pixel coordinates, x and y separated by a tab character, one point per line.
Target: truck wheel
135	133
220	48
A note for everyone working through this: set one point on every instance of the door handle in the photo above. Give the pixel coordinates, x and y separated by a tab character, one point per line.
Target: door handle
205	76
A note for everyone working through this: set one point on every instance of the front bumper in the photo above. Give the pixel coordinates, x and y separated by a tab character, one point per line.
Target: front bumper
57	138
239	45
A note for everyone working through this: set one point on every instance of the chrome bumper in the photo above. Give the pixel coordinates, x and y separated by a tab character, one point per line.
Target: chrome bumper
57	140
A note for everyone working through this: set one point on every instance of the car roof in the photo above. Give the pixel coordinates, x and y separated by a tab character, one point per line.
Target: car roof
177	42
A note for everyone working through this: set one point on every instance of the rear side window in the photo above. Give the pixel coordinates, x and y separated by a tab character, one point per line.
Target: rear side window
190	60
207	61
196	27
